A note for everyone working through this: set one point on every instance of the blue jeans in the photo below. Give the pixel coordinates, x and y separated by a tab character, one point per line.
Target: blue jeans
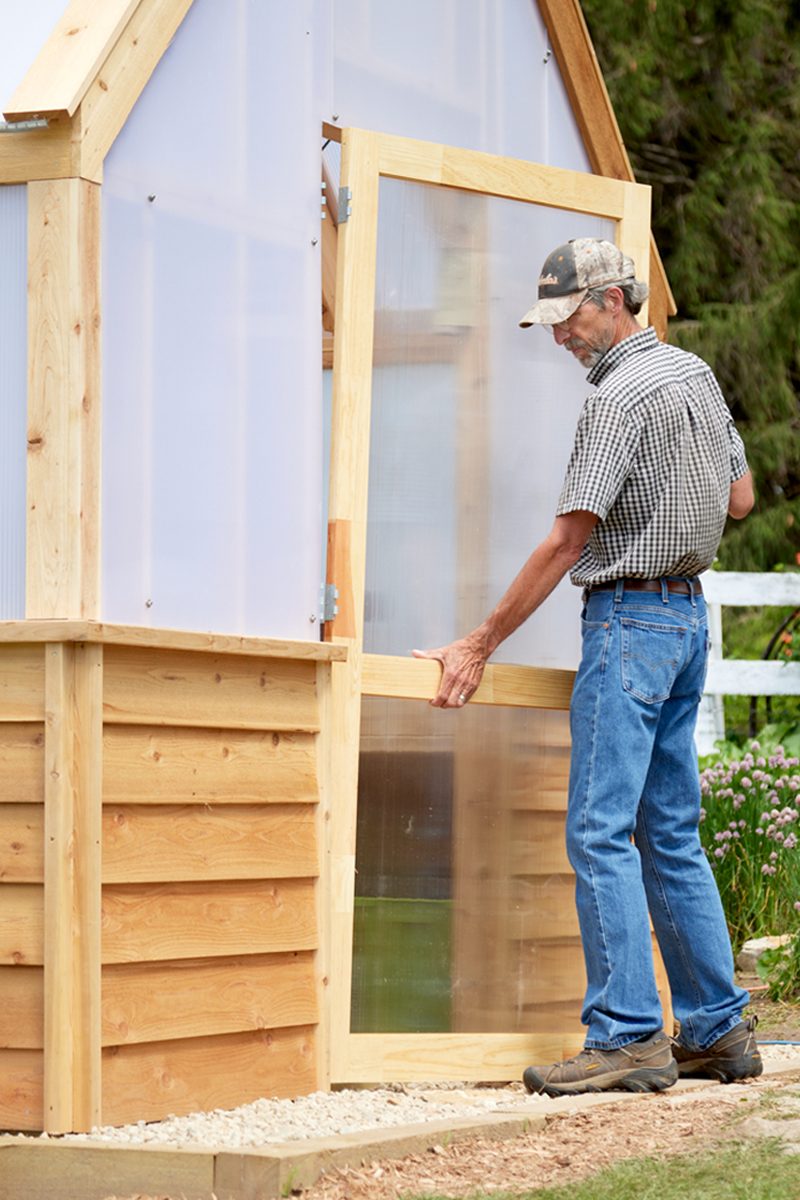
634	776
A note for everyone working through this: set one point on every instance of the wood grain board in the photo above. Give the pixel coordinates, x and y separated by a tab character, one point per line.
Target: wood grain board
21	687
149	1002
21	843
174	687
21	757
63	468
69	59
22	924
199	1074
21	1089
143	922
21	1008
162	765
143	843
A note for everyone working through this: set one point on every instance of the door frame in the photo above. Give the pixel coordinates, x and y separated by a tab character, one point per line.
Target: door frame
366	158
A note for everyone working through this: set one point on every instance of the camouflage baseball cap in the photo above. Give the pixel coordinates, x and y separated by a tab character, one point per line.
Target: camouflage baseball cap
569	272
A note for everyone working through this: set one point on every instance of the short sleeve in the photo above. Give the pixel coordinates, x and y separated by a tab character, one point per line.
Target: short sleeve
738	456
604	450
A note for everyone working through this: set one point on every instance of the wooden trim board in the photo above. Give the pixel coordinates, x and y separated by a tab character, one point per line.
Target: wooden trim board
418	679
63	488
513	179
73	737
597	122
70	58
109	634
86	79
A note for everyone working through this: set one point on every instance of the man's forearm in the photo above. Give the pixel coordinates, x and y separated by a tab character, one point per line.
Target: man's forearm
545	568
463	661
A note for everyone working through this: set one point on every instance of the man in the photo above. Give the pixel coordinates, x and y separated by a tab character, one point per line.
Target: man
656	465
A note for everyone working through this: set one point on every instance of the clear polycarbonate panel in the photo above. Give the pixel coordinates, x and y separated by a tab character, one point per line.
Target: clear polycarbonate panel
471	73
212	420
464	912
13	398
25	29
472	420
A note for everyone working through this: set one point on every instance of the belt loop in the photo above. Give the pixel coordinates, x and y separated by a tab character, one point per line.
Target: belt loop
664	590
619	588
690	583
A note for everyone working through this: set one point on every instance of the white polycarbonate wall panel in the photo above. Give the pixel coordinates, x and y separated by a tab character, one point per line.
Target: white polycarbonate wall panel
13	398
472	73
472	421
212	382
25	29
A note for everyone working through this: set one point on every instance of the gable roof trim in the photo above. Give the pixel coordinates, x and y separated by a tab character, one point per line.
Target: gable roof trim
70	59
586	88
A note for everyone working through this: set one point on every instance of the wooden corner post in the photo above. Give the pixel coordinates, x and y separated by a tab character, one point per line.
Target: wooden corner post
73	748
63	508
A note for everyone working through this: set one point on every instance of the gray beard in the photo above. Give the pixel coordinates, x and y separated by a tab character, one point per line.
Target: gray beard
593	358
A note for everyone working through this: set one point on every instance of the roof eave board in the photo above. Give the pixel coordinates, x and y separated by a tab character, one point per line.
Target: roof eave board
591	106
70	59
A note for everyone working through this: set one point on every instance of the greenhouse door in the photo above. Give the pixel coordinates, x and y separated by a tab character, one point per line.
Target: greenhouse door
452	946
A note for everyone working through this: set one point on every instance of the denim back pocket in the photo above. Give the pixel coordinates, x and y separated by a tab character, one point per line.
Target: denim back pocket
651	657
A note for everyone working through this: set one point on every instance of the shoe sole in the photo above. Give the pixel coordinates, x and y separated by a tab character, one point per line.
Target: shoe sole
744	1068
644	1080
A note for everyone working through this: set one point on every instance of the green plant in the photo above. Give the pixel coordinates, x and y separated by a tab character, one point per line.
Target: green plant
780	968
749	826
717	137
753	633
290	1183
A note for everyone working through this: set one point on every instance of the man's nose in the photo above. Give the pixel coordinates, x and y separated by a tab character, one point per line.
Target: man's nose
561	335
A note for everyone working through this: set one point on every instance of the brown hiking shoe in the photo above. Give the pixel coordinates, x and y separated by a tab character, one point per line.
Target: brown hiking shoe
733	1056
646	1066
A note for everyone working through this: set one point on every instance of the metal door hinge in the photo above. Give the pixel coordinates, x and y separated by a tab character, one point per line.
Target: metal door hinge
345	204
328	595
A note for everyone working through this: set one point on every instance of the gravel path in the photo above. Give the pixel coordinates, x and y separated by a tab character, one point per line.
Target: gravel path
326	1114
322	1114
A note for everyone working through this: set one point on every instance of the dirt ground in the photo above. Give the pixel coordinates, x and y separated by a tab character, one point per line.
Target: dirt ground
569	1148
572	1147
776	1022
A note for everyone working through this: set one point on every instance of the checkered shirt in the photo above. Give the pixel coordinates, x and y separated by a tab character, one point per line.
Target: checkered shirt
655	453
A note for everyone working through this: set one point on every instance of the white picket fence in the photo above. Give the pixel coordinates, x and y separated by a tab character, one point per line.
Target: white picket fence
738	677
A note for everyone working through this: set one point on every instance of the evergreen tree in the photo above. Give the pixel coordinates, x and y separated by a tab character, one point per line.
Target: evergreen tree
707	95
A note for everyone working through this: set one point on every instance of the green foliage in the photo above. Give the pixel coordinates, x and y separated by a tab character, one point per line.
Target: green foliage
749	827
754	1170
707	95
780	968
755	633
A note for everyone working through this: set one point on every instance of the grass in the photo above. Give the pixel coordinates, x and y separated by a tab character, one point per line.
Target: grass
757	1170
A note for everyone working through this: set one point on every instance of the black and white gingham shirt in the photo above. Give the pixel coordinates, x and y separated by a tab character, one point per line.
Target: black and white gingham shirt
655	453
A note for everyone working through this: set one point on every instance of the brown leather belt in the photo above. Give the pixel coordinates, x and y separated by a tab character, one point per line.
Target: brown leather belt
683	587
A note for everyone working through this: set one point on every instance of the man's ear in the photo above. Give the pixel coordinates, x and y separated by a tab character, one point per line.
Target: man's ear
615	298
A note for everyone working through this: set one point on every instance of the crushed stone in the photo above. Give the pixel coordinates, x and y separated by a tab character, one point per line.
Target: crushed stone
322	1114
268	1122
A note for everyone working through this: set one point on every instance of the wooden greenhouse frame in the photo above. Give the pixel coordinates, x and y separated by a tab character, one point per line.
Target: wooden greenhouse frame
177	810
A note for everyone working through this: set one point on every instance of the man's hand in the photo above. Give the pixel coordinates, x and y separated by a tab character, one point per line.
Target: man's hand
463	661
462	667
